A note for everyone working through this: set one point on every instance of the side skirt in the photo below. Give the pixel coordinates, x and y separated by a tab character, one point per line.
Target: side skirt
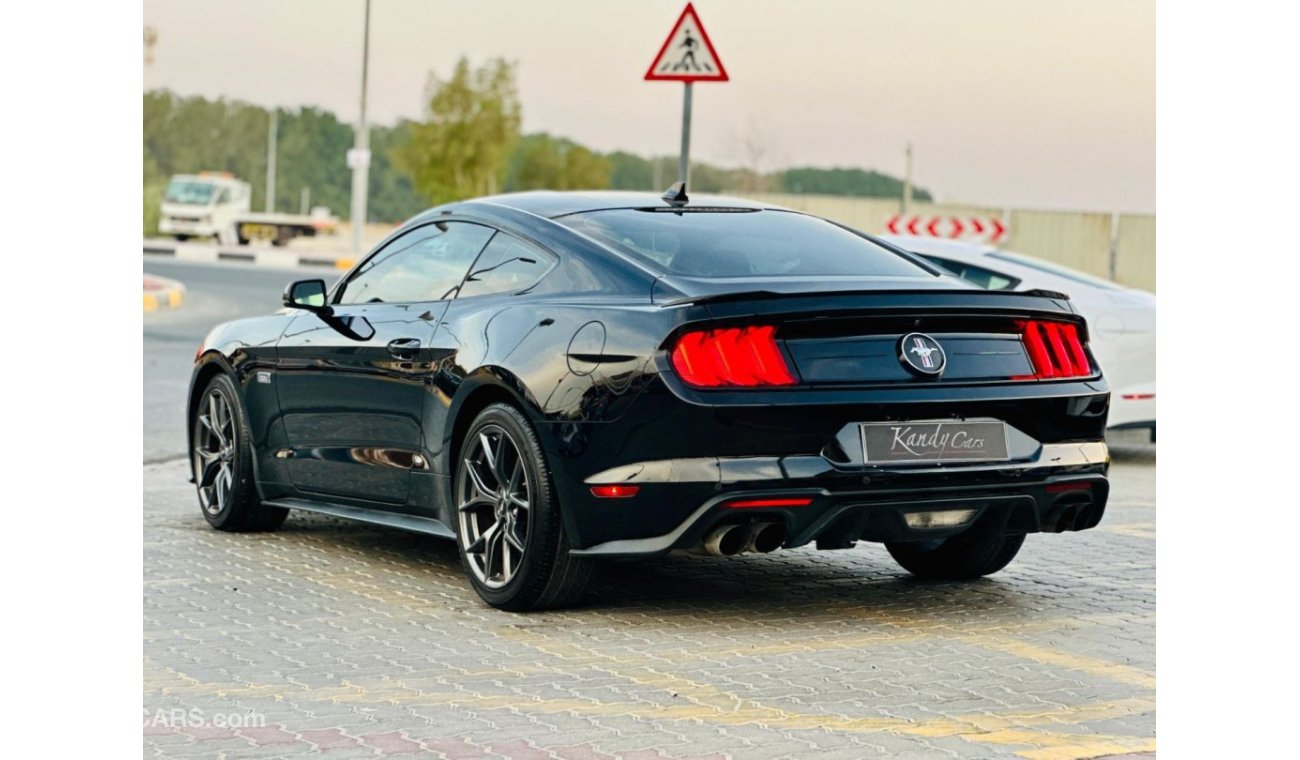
425	525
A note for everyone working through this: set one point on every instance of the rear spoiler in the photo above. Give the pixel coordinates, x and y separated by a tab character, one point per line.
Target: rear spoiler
764	295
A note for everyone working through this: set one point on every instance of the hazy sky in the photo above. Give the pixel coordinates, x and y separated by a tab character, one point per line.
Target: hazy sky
1039	103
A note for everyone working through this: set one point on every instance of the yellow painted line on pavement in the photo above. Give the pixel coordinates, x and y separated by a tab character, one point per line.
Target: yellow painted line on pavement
990	638
1124	674
165	677
344	263
708	703
711	705
1048	746
1137	530
896	629
1092	746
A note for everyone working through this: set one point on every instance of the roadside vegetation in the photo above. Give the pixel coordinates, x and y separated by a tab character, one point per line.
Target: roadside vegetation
468	142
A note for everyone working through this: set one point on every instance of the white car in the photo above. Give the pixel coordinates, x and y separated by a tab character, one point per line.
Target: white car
1121	321
203	205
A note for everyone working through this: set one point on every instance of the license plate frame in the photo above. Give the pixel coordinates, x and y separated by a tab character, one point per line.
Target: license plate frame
934	442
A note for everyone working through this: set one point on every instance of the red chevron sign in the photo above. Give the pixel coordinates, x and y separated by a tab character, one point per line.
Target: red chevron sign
988	229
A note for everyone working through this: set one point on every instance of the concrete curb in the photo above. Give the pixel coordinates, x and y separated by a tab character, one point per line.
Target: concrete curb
211	254
162	293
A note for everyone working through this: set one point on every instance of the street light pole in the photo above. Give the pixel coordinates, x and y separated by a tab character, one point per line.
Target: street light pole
361	148
272	135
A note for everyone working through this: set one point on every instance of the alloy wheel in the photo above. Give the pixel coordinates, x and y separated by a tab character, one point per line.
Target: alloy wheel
214	452
493	495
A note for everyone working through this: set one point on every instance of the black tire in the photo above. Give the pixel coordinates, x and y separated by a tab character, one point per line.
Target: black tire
224	480
980	551
181	238
547	576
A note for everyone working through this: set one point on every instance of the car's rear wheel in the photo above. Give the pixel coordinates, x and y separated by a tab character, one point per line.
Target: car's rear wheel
222	453
511	536
974	553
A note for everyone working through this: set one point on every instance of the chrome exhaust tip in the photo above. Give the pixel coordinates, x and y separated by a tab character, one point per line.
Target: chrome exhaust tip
726	541
765	537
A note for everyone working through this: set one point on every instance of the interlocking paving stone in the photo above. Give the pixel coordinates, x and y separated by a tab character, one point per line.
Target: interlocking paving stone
356	641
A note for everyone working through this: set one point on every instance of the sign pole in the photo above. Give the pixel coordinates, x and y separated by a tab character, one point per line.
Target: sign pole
684	160
687	56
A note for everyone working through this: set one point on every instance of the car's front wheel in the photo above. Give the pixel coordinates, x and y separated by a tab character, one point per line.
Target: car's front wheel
511	536
974	553
222	453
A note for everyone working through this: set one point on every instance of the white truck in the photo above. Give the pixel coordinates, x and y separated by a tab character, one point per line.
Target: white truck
215	204
204	205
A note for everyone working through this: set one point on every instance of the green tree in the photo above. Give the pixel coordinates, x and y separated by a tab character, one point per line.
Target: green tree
393	197
472	125
842	181
186	135
630	172
541	161
535	163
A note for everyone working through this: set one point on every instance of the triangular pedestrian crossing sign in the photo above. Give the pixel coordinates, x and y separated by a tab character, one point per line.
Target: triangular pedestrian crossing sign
688	55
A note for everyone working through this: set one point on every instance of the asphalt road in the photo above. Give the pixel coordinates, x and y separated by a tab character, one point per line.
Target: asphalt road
357	641
214	293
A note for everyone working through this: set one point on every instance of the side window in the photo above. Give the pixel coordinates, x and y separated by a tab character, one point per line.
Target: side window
979	276
426	264
507	265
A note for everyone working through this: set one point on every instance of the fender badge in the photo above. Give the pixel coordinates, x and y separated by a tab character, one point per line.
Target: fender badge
263	377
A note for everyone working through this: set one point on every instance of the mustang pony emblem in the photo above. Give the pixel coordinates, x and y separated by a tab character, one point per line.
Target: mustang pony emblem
922	355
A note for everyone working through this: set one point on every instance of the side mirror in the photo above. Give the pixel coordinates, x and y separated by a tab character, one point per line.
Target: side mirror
307	294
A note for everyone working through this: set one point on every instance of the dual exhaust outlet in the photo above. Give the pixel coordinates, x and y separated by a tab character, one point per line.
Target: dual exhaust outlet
755	538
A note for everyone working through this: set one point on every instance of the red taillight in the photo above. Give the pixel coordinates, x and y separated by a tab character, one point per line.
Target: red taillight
760	503
1054	349
614	492
741	357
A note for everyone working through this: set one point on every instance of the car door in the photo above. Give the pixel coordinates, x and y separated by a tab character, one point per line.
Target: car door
488	306
352	386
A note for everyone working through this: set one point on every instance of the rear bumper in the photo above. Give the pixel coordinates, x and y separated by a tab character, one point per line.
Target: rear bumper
1061	487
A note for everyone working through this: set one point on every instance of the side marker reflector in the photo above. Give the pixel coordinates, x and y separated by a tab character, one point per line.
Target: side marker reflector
614	492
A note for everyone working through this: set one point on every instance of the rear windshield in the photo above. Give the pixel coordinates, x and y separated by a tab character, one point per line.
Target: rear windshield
740	243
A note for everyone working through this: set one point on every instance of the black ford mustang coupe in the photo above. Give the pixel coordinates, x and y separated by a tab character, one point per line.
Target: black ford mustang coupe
555	378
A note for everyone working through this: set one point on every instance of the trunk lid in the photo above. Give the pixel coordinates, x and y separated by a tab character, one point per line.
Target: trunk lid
852	338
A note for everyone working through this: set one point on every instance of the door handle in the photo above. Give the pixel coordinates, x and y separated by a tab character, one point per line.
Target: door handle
404	348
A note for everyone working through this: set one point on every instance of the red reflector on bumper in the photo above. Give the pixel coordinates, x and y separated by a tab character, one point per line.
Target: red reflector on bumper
614	492
786	502
1138	396
1067	487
